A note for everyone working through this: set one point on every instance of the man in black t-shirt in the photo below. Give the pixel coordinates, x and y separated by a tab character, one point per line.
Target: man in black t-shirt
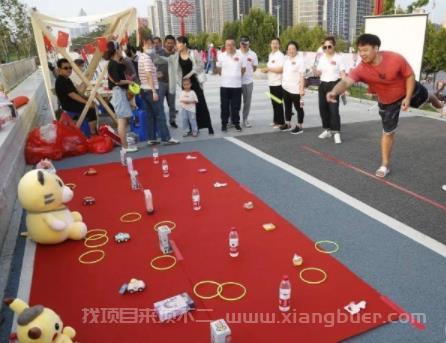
69	97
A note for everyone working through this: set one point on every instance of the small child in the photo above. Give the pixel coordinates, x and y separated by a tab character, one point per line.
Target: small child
188	100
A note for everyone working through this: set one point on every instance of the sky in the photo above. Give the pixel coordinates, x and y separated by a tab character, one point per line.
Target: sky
60	9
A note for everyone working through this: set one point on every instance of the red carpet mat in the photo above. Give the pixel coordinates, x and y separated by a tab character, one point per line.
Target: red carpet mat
87	298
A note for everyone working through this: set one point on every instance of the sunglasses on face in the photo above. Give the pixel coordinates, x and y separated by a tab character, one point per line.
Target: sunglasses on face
325	47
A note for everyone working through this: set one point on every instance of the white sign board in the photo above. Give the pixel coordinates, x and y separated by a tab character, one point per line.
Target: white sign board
403	34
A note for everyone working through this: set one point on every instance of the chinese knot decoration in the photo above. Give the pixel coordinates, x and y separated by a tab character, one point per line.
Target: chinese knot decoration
181	9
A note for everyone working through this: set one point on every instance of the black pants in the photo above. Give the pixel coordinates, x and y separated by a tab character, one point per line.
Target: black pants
230	102
291	99
277	108
329	111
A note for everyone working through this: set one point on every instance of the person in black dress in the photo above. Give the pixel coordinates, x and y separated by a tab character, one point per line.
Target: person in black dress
186	63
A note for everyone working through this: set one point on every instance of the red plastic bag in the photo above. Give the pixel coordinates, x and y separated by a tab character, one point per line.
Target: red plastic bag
43	142
71	137
100	144
107	130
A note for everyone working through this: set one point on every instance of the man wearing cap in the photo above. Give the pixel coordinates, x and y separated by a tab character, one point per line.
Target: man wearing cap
252	62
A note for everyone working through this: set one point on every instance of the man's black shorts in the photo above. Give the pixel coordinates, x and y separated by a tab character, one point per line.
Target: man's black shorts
390	113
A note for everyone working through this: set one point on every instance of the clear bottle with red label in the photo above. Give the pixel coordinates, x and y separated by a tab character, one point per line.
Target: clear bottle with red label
285	294
233	242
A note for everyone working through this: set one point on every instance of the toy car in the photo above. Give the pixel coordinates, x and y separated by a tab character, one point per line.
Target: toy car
136	285
122	237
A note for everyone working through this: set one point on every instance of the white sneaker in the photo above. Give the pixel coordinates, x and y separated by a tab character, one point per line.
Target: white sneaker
131	148
171	142
337	138
325	134
443	187
247	124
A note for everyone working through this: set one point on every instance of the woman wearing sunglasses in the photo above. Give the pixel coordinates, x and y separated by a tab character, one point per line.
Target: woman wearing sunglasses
330	69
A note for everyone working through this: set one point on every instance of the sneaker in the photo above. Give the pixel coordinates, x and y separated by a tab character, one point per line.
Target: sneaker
325	134
153	142
285	127
443	187
211	130
237	128
174	125
337	138
276	126
297	131
247	124
195	134
171	142
224	128
230	125
187	134
132	148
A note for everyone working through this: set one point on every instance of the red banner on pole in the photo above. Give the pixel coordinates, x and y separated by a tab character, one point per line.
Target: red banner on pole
379	7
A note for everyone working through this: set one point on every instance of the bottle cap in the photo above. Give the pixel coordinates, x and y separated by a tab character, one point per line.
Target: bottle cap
285	277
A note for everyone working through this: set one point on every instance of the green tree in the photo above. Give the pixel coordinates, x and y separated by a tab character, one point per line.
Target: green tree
308	39
260	27
434	58
389	7
215	39
16	40
232	30
416	4
79	42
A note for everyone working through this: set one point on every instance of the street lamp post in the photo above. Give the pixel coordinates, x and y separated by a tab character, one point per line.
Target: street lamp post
278	25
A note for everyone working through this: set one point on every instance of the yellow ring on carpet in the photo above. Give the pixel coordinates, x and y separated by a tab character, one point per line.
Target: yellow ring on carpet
81	260
313	282
206	297
220	291
71	185
95	239
164	222
336	249
102	233
161	257
137	218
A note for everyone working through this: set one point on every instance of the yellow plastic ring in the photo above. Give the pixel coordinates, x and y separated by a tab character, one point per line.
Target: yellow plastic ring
165	222
71	185
102	233
124	218
313	282
95	239
336	249
81	257
206	297
220	291
161	257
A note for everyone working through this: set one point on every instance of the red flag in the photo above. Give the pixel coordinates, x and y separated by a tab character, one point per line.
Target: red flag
379	7
62	39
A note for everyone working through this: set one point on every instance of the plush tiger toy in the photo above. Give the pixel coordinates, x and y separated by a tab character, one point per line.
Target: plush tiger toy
48	220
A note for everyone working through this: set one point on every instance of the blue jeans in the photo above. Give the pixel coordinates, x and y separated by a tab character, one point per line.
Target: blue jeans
210	66
163	92
156	116
189	121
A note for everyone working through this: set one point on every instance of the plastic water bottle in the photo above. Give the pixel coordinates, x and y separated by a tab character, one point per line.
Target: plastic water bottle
149	201
233	242
155	156
301	103
134	183
123	157
285	294
196	199
129	165
165	168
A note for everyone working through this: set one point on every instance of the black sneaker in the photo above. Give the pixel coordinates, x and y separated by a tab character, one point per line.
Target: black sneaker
237	128
211	130
174	125
297	131
285	127
224	128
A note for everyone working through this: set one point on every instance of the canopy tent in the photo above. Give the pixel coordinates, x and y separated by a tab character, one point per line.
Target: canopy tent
118	25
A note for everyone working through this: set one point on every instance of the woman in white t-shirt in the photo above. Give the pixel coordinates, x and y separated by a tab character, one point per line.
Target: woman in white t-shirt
293	87
274	70
331	69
